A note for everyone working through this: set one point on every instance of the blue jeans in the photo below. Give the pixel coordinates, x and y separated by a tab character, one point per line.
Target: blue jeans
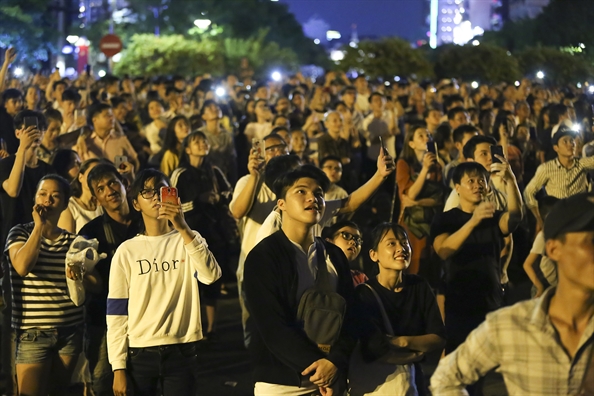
98	362
40	345
172	368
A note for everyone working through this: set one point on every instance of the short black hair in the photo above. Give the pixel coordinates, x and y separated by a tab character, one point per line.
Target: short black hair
545	204
451	99
145	175
463	130
452	112
278	129
63	185
470	168
61	161
171	89
52	114
329	158
100	171
117	100
277	166
76	187
484	101
442	134
288	179
19	119
59	82
555	113
375	94
329	232
97	108
11	93
474	141
207	103
380	231
428	111
71	95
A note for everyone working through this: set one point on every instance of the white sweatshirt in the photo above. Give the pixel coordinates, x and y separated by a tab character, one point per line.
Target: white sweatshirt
153	293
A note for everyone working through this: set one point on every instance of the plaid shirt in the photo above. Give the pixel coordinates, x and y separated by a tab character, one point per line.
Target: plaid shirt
521	343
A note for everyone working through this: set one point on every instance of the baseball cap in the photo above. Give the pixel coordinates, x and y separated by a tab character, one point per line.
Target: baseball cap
573	214
563	131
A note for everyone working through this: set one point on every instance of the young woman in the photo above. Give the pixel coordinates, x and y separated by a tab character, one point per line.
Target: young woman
49	327
177	130
421	190
411	310
82	206
205	193
151	131
347	236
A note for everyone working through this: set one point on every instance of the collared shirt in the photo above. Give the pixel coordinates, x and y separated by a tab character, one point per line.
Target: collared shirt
559	181
109	147
521	343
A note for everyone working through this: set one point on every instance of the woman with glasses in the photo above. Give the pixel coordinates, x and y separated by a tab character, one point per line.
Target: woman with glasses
346	235
400	321
205	193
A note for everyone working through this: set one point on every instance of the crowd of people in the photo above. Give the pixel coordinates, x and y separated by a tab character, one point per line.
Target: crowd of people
454	194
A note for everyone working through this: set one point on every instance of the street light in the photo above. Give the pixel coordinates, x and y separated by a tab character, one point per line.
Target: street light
72	38
591	89
220	92
276	76
540	75
474	85
18	72
202	23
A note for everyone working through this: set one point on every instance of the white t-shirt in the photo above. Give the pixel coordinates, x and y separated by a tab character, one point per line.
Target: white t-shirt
81	215
262	206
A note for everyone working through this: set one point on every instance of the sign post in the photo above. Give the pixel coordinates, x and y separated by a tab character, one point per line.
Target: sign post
110	45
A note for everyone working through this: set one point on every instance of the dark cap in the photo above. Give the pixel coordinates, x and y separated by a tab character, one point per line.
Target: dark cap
562	131
573	214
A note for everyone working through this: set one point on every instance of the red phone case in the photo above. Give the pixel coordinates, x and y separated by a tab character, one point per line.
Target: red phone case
169	194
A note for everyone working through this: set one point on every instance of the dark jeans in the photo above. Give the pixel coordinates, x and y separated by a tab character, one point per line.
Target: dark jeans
171	368
98	362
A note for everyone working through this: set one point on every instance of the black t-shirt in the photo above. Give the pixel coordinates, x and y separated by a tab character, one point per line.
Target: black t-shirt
412	312
473	273
19	210
97	303
7	131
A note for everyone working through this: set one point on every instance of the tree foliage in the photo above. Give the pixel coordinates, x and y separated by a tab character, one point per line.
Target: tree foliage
28	26
558	67
150	55
485	63
386	58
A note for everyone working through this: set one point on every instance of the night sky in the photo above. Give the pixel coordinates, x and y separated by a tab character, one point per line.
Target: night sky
403	18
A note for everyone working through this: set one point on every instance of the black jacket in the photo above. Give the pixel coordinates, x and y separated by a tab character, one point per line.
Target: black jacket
279	347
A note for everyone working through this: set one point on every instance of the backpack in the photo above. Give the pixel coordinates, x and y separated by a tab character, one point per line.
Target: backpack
321	310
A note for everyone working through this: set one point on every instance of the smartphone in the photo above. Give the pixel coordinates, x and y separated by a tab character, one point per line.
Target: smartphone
257	145
431	146
169	194
496	150
88	69
119	160
30	121
384	149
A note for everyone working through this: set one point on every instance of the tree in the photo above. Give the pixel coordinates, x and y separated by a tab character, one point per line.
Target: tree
386	58
149	55
28	26
486	63
558	67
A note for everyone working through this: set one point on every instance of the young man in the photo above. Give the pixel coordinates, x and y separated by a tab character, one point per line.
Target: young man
103	141
470	239
432	117
278	271
153	306
457	117
541	346
116	225
561	177
70	101
461	136
332	167
379	124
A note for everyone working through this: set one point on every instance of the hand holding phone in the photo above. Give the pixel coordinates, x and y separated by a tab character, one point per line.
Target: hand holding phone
496	150
389	166
31	121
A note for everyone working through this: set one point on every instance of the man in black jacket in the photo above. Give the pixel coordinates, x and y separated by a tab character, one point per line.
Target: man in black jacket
277	273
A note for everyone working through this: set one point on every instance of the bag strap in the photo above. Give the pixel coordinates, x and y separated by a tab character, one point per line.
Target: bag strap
382	309
323	278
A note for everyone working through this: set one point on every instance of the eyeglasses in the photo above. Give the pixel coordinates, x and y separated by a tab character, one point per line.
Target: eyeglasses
277	148
149	193
347	236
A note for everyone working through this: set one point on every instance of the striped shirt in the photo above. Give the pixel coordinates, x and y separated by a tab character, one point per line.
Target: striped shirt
40	299
559	181
521	343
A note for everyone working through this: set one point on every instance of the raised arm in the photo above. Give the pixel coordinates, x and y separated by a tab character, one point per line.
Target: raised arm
9	57
14	183
242	203
385	166
512	217
23	256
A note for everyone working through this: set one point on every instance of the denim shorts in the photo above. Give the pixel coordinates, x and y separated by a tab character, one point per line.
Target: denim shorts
39	345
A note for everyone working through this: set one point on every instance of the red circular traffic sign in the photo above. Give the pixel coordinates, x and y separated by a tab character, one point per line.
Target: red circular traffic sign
110	45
